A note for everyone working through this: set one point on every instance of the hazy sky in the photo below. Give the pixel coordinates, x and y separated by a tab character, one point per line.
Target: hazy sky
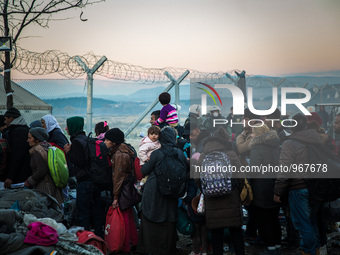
269	37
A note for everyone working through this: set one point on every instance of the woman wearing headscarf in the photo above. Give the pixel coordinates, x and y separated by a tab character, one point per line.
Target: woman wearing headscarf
157	234
120	156
55	133
41	178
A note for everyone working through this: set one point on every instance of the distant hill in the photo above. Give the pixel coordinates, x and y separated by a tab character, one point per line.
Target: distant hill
78	106
78	102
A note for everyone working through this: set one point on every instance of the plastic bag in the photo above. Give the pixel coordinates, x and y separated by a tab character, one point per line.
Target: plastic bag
114	230
201	205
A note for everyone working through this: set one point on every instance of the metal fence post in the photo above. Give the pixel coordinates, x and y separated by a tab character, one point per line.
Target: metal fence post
89	73
153	104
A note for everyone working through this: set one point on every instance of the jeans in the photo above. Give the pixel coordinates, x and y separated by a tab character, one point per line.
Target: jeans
89	207
304	216
293	235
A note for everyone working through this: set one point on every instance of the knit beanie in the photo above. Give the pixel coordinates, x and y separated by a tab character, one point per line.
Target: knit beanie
75	124
115	135
2	121
314	117
39	133
36	123
12	112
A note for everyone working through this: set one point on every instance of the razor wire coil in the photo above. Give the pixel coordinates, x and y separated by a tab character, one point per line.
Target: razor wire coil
54	61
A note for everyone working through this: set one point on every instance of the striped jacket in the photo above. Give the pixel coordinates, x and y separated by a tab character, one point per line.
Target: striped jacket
168	115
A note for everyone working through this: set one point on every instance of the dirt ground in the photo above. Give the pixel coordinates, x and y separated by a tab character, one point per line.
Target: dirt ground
333	246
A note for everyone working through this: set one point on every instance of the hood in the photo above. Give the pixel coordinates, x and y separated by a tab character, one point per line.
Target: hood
75	124
217	144
269	138
20	121
167	137
307	136
51	123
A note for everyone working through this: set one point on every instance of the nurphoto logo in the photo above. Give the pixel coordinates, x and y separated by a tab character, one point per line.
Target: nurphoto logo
239	103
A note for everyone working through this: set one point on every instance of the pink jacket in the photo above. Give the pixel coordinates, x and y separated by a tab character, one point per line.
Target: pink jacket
146	147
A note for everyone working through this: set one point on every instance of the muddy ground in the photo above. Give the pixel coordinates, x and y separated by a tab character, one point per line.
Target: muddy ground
333	246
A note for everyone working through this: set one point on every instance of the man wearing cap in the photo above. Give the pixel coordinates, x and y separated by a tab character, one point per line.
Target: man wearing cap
19	160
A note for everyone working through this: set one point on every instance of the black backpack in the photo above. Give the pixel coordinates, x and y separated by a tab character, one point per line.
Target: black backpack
95	160
133	150
325	184
171	174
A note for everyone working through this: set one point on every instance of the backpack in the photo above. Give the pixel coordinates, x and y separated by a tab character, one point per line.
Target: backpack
135	163
100	167
215	180
92	156
138	169
58	166
326	187
133	150
171	174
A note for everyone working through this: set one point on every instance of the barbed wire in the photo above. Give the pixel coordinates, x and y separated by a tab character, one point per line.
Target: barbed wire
54	61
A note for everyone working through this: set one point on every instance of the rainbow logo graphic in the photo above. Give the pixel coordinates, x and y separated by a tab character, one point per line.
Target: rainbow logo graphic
209	93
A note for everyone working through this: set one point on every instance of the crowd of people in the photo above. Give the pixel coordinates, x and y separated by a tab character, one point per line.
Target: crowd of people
24	160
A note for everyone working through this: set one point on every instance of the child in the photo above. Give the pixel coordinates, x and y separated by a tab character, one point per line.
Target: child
147	145
100	129
168	115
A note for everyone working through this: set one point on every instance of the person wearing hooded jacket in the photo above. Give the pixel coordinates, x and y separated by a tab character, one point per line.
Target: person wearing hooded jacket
18	160
88	193
157	233
265	150
225	211
120	155
303	209
55	133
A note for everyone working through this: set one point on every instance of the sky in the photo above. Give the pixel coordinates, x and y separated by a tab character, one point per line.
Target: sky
262	37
